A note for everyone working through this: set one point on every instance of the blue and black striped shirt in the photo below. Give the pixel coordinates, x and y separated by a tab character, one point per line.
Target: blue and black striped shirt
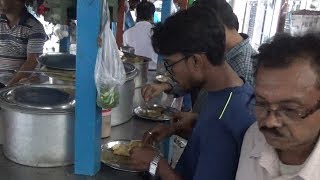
27	37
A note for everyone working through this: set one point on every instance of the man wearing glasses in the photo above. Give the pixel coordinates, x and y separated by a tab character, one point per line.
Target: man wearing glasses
238	53
284	143
195	58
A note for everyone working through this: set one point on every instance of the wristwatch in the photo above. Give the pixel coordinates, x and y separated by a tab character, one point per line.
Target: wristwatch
154	165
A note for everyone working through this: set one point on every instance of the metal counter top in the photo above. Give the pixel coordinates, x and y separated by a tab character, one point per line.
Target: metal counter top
133	129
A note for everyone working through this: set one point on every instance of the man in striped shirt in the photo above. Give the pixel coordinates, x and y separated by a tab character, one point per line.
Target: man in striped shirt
22	38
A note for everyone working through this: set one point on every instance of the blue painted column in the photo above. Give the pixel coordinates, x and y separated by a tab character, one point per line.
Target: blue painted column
65	44
129	21
88	115
166	9
165	13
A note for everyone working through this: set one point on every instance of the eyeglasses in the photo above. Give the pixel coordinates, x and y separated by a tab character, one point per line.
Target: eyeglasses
170	66
262	111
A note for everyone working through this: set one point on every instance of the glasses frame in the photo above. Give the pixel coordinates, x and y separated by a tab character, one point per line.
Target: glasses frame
281	112
169	67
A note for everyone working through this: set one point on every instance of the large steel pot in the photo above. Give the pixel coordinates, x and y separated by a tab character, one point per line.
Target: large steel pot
68	78
58	61
38	124
60	67
142	65
123	112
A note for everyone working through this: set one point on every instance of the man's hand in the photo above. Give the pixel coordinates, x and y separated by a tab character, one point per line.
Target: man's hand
184	123
141	157
150	91
29	65
158	133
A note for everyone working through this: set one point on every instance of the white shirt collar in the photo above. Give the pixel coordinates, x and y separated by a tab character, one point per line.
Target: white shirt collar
268	159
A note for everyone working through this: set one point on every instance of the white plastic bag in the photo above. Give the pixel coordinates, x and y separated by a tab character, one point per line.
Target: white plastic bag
109	69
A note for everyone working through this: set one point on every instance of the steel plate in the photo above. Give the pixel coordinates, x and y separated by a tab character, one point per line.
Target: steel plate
166	114
115	161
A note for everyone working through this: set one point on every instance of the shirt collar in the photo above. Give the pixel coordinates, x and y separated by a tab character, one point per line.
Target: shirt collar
3	18
143	23
265	155
25	17
268	159
235	50
312	164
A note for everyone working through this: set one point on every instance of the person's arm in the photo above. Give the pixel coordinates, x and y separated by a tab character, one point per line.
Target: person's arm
175	89
151	91
141	157
166	172
36	40
29	65
184	123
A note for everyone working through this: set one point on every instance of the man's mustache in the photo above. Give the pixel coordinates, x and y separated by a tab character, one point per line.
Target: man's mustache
273	131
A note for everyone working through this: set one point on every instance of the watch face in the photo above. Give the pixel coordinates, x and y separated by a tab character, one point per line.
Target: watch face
152	169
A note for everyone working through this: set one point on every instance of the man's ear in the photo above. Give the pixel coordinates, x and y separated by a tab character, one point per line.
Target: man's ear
197	61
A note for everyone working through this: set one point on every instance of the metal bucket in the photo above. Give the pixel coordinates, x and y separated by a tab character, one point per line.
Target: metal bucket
38	133
123	112
142	65
55	80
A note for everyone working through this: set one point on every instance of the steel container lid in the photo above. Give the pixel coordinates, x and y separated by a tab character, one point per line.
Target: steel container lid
38	98
131	71
135	59
60	61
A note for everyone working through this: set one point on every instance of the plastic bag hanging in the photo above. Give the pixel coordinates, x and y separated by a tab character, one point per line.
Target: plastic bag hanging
109	69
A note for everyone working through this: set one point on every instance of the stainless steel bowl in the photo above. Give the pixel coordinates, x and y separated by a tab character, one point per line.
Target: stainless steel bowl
38	124
123	112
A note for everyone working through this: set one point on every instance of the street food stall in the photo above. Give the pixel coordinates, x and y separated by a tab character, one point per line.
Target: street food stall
59	127
53	128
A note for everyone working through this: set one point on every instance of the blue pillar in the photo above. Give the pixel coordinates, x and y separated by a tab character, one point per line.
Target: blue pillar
88	115
166	9
129	21
65	44
165	13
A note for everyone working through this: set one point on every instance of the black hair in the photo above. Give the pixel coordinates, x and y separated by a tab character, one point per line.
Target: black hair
224	11
283	50
195	30
145	11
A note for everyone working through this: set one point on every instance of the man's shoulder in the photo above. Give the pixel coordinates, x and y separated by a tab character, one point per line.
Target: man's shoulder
130	32
251	137
252	131
247	167
33	22
243	48
231	110
139	27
